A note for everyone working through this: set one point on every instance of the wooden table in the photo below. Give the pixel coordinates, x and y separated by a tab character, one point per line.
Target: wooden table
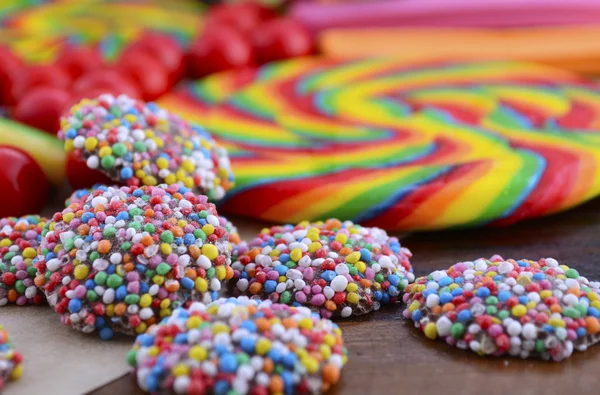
387	355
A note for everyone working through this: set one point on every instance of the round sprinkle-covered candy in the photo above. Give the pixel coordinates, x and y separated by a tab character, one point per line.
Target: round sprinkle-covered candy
239	346
19	240
10	360
139	143
336	268
122	258
496	307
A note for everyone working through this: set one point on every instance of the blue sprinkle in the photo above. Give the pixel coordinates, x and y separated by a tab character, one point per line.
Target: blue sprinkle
523	299
289	360
106	333
274	355
548	328
71	134
385	299
189	239
283	258
446	297
581	332
270	286
228	363
152	382
123	215
594	312
464	315
180	338
365	255
121	292
445	281
221	387
249	325
503	296
457	292
100	322
145	340
393	279
90	284
392	291
483	292
248	344
378	295
74	305
416	315
86	217
138	193
328	275
539	276
187	283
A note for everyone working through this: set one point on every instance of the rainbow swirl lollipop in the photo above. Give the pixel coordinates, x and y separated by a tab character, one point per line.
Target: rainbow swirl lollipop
424	146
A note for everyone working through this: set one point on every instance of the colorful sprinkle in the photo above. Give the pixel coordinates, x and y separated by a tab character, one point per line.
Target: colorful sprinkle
138	143
335	268
496	307
10	360
239	346
19	240
123	258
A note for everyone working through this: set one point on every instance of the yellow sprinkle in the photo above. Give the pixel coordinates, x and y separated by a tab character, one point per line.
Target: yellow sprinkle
81	272
180	370
17	372
352	287
263	346
162	163
329	339
198	353
130	118
220	327
158	279
149	180
325	351
188	182
353	257
110	310
165	303
208	229
310	364
305	323
210	251
68	217
90	143
220	272
519	310
596	304
430	330
296	254
545	294
146	300
141	328
557	322
193	322
592	296
29	253
342	238
360	266
188	166
69	146
165	313
182	223
315	245
166	248
201	284
352	297
171	179
5	243
413	306
104	151
153	351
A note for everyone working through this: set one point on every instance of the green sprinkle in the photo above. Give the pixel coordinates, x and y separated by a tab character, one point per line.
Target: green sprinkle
114	281
163	268
167	236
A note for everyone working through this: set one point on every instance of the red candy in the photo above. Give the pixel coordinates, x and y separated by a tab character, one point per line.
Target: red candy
281	39
40	76
107	81
221	49
24	184
147	72
42	108
9	63
165	50
77	61
244	17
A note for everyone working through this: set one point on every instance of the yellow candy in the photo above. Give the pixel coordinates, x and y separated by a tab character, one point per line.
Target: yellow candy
310	364
165	313
188	166
69	146
413	306
146	300
314	246
198	353
210	251
305	323
90	143
342	238
181	174
149	180
596	304
180	370
325	351
130	118
193	322
5	243
430	330
263	346
110	310
221	272
104	151
153	351
296	254
545	294
165	303
171	179
519	310
158	279
329	339
188	182
353	257
352	297
182	223
208	229
141	328
352	287
220	327
166	249
17	372
201	284
557	322
531	305
29	253
162	163
140	173
68	217
592	296
81	272
360	266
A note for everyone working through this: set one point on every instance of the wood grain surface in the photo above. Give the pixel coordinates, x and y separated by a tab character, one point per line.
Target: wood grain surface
387	355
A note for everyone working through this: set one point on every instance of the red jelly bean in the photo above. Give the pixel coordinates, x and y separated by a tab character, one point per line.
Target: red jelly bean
244	17
108	81
281	39
9	65
42	108
77	61
220	49
151	77
163	48
24	185
41	76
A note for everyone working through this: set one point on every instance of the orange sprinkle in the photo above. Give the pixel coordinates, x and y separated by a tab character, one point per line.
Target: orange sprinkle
129	267
39	280
289	323
268	365
120	309
126	258
12	295
104	246
330	305
255	288
228	272
172	286
448	307
194	251
592	325
253	253
177	231
83	229
147	240
436	310
345	251
262	324
191	273
555	308
276	385
331	373
333	223
149	213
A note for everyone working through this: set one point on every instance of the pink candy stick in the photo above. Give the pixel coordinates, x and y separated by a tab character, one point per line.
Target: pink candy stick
467	13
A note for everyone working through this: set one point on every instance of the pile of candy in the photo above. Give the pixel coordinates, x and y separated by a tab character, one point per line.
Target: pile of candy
10	360
496	307
336	268
239	346
19	240
122	258
140	144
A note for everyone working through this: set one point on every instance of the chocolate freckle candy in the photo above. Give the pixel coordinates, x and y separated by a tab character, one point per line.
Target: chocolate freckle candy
121	258
497	307
336	268
19	240
239	346
139	143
